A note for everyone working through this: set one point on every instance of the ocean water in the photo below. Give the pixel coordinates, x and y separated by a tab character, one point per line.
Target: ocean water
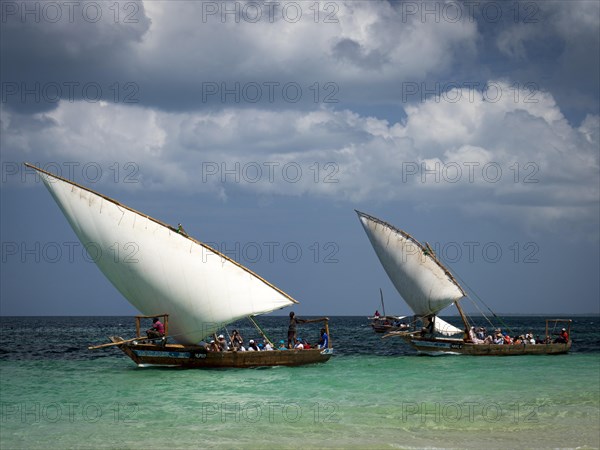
373	394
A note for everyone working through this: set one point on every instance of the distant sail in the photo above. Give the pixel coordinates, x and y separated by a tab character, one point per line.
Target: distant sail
160	270
422	281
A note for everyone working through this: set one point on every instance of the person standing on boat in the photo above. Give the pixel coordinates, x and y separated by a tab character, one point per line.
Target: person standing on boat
157	329
431	324
294	321
430	328
236	340
324	341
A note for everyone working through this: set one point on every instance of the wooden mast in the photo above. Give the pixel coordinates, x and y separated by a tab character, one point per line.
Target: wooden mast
464	319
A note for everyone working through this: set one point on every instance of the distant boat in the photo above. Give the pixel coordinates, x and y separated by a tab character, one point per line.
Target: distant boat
385	323
164	272
428	287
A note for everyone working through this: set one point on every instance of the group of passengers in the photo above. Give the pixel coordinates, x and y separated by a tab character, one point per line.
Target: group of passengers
236	342
478	335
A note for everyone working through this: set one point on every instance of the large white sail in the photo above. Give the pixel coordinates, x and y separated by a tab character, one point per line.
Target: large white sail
160	270
422	281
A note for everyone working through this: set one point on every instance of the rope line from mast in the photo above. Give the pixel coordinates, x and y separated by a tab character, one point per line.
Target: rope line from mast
464	283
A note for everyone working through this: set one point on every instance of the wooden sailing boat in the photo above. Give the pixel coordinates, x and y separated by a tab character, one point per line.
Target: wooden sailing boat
428	287
160	268
385	323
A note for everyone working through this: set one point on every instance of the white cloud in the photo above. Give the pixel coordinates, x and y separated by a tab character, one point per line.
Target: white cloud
506	157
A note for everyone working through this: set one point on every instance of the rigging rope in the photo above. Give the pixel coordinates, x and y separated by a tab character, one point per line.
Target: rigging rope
480	311
463	282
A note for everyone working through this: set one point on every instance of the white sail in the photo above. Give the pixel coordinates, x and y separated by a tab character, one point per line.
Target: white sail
445	328
422	281
160	270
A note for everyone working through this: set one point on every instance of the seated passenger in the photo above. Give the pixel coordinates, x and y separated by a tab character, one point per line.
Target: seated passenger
306	344
563	338
252	347
282	345
157	330
299	345
473	338
480	333
499	339
267	346
213	346
222	343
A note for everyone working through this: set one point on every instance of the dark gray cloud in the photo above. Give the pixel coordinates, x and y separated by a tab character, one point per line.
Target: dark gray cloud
351	51
176	56
68	52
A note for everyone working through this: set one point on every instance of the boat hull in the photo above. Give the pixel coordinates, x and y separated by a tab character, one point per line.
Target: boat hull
459	347
196	356
379	328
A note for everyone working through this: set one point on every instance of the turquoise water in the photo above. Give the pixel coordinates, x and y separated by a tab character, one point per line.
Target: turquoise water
359	399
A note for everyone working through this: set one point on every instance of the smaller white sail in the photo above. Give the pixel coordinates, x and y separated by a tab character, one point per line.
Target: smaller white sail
422	281
445	328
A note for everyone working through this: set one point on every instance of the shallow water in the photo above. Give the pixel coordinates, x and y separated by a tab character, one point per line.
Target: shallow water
374	393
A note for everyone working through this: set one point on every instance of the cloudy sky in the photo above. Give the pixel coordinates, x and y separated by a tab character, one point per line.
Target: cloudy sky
261	126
